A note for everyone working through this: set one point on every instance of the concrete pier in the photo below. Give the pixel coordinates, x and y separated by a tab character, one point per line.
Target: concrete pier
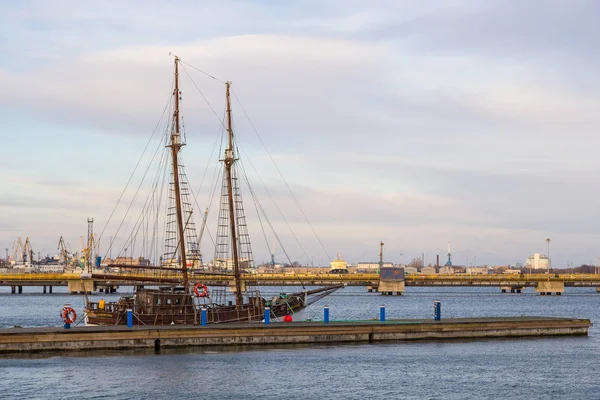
549	287
389	288
512	289
23	340
81	286
391	280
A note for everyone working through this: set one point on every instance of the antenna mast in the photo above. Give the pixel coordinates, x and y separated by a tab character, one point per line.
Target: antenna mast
175	147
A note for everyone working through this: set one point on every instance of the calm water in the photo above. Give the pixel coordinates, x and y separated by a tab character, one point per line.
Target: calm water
475	369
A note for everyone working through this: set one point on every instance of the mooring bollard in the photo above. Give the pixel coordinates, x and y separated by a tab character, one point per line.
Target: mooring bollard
203	316
382	313
267	315
129	318
67	326
326	314
437	310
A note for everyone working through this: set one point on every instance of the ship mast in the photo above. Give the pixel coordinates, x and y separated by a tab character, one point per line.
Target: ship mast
228	161
175	147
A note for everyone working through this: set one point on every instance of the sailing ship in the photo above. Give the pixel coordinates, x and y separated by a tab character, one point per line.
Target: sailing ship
178	301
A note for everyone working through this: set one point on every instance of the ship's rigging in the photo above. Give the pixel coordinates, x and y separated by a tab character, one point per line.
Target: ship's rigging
165	174
169	304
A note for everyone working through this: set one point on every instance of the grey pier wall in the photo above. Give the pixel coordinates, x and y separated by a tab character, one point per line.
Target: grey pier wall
15	340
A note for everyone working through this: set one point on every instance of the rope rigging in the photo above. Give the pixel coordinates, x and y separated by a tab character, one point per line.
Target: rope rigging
133	172
255	199
281	175
149	216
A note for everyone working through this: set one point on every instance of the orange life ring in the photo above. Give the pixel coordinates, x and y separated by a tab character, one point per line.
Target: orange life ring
204	290
68	315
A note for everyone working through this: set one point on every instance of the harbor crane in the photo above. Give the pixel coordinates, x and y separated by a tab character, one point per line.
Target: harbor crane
27	252
16	252
273	255
202	234
64	253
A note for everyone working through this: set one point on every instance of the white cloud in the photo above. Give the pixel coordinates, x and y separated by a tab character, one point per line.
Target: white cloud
419	123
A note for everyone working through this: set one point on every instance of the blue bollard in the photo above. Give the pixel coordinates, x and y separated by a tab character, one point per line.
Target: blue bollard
326	314
267	315
382	313
67	326
437	310
203	317
129	318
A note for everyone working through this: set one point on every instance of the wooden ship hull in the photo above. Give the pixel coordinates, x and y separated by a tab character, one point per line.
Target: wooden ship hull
166	307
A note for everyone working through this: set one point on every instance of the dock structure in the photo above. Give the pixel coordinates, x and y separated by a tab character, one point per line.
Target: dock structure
24	340
86	283
391	280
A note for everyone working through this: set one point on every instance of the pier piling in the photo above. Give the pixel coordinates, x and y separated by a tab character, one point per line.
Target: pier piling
204	316
437	310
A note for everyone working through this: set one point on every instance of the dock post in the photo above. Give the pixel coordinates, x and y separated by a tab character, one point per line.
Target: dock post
382	313
49	289
20	289
13	289
267	315
129	318
44	289
326	314
437	310
203	316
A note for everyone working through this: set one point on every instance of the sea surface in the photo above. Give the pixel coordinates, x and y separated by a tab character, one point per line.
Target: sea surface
546	368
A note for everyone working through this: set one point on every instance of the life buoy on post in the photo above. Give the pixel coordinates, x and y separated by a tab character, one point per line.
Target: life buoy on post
68	315
204	292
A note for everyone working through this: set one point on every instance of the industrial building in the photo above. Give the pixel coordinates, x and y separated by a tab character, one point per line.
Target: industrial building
537	261
371	266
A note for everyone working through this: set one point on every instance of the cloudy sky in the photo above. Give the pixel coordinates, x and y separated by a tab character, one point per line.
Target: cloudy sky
414	123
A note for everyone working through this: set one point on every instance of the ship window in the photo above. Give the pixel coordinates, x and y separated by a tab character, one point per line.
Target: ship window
169	302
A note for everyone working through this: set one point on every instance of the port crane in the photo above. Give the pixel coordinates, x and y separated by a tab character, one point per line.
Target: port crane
64	256
16	252
27	252
202	234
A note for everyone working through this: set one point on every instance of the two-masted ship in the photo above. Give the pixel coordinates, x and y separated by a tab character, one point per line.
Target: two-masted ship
178	301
